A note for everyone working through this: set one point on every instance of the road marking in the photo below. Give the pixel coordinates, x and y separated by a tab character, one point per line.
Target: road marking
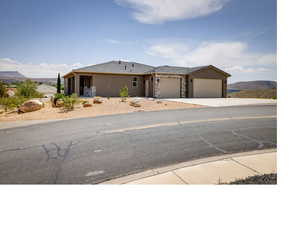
99	150
94	173
187	122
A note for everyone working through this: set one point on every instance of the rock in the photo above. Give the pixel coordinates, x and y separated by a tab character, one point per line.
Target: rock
10	93
87	105
59	103
1	111
135	104
97	101
30	106
158	102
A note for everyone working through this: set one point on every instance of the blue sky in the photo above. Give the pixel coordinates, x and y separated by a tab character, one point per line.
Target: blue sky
42	38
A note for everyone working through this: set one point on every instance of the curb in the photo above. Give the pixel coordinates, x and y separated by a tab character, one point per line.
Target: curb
153	172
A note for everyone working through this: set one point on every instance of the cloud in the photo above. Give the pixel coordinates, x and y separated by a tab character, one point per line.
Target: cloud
230	56
36	70
159	11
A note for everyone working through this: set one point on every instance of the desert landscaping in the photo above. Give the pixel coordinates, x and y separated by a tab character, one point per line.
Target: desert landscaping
107	107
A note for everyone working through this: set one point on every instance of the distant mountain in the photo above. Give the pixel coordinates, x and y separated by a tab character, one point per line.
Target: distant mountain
11	74
14	76
253	85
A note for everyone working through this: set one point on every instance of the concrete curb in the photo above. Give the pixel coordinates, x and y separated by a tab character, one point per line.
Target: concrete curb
163	170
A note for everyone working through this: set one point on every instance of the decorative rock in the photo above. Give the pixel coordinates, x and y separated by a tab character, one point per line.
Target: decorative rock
59	103
97	101
135	104
30	106
10	93
87	105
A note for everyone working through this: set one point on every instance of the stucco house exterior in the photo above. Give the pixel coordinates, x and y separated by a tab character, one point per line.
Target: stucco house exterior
142	80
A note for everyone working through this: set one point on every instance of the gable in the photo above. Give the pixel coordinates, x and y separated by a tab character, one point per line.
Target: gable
209	72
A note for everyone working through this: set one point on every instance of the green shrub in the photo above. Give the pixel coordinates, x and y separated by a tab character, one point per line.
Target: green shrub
69	102
124	93
28	89
12	102
2	89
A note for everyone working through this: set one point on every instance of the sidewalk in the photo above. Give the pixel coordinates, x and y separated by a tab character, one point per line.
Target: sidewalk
213	170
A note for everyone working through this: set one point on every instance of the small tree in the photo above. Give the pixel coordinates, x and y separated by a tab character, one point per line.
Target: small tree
28	89
2	90
58	84
124	93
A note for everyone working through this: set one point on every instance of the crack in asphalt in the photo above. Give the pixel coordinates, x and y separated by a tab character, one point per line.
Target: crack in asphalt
260	143
212	145
58	153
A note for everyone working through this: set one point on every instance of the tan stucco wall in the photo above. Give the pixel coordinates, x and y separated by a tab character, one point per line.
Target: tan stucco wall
110	85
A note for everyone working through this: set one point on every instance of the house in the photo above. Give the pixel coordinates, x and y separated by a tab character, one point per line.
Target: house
107	79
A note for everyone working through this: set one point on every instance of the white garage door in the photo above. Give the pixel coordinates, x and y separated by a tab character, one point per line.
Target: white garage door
207	88
169	87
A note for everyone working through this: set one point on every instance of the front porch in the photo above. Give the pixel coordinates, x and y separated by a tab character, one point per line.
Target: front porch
82	85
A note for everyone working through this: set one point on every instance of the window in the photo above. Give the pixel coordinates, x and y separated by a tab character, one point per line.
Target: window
134	82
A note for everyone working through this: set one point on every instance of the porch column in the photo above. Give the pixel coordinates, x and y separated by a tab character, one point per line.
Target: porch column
77	84
66	86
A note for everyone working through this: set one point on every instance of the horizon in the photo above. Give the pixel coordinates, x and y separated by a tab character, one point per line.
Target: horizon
42	39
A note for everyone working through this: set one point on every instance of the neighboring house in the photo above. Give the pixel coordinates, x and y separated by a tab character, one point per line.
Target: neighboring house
107	79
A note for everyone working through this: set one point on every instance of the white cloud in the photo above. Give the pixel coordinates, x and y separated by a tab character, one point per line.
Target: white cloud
159	11
36	70
230	56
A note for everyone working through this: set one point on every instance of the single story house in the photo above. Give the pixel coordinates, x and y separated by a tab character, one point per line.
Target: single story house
142	80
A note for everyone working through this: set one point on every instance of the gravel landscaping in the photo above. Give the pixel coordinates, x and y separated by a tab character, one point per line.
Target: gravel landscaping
258	179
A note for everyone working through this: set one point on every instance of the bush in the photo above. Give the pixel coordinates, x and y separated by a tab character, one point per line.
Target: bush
28	89
124	93
69	102
2	89
56	97
12	102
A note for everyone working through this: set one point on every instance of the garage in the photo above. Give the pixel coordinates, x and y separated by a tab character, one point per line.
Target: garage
207	88
169	87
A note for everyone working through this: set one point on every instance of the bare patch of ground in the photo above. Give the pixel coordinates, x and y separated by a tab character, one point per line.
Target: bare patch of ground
108	107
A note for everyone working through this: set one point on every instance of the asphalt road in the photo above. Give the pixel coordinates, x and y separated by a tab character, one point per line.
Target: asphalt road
96	149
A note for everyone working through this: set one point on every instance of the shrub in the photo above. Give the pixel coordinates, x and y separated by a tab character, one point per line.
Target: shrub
12	102
2	89
56	97
69	102
124	93
28	89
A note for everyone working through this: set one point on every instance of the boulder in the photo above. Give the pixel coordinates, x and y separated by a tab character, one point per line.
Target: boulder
30	106
135	104
87	105
10	93
97	101
59	103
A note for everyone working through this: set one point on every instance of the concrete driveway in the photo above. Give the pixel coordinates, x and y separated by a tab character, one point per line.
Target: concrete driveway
218	102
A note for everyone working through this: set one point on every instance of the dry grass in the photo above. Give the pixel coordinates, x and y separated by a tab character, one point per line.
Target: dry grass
263	93
109	106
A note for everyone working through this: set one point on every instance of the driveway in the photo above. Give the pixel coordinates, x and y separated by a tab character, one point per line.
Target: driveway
219	102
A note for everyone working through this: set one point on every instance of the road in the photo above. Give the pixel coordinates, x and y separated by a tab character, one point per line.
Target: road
90	150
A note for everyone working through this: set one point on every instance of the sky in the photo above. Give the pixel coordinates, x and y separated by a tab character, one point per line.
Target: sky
41	38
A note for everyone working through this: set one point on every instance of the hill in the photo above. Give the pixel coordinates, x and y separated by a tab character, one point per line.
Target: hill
253	85
11	74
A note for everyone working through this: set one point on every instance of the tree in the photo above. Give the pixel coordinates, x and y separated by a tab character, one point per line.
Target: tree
2	90
58	85
28	89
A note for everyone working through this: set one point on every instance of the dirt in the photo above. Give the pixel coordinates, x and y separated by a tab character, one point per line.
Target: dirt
108	107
